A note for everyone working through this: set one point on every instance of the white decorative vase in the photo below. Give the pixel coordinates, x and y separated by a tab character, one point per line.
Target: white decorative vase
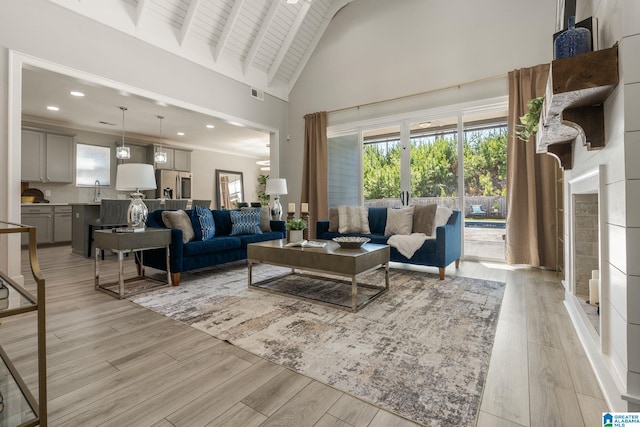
294	235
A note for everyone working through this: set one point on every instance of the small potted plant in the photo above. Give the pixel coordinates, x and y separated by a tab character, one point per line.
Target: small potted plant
295	227
495	208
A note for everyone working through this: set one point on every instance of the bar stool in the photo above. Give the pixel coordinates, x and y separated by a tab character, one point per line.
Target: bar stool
201	203
113	213
153	204
175	204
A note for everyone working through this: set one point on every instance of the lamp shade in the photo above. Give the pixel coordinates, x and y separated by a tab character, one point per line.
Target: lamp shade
135	176
277	186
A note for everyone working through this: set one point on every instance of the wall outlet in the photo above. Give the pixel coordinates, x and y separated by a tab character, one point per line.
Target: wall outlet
47	193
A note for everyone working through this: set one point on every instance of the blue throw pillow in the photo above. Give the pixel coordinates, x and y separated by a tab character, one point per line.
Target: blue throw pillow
205	219
245	222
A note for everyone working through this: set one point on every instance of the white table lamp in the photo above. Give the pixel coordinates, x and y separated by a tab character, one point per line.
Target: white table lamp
276	187
136	177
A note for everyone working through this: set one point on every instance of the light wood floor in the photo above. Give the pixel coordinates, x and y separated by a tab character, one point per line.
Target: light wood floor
111	362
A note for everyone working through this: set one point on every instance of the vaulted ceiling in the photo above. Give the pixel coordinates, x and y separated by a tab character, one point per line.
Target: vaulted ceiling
263	43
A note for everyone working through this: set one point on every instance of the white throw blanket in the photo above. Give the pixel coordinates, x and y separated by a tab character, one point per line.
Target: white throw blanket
407	244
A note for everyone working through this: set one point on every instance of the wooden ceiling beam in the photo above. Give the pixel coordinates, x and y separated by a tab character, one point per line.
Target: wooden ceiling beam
228	27
266	24
286	45
187	24
142	4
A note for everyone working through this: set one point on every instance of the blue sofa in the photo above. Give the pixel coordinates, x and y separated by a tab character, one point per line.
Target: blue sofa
438	252
196	254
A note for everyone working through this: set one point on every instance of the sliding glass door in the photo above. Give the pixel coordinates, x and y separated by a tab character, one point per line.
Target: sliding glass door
455	160
381	167
485	186
412	163
434	162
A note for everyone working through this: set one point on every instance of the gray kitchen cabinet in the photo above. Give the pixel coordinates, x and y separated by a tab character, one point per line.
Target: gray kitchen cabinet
53	223
182	160
46	157
62	224
138	154
169	164
179	160
40	217
33	146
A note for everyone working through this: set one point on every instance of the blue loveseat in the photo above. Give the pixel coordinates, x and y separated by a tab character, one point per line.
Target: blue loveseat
196	254
438	252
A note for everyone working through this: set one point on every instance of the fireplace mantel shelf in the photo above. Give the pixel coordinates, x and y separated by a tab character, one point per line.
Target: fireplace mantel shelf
573	105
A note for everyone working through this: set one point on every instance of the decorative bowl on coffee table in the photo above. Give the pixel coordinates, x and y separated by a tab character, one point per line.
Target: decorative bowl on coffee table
351	242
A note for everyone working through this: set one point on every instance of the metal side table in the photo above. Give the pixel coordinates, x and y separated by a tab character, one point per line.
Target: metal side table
125	242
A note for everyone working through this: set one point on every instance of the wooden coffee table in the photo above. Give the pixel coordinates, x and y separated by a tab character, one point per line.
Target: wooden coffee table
331	259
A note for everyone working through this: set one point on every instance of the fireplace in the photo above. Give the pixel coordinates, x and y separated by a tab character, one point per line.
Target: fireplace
584	222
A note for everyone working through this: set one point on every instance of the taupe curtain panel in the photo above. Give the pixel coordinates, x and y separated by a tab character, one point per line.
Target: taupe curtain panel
531	198
315	169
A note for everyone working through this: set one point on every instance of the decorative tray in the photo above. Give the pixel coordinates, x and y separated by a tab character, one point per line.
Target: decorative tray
349	242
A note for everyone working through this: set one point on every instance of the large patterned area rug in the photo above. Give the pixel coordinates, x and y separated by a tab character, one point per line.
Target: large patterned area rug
422	350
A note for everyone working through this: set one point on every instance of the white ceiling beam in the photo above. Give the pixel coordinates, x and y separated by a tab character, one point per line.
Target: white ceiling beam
264	27
228	27
140	9
188	20
286	45
335	7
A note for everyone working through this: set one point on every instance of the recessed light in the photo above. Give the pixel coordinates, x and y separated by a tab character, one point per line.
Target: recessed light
180	133
76	93
52	108
210	126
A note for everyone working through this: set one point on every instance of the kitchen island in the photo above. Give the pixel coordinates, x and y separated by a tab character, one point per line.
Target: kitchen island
82	215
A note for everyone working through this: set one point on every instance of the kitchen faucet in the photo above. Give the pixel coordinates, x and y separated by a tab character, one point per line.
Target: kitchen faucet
96	191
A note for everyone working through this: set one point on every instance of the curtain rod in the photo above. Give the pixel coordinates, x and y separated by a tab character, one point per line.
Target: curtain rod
368	104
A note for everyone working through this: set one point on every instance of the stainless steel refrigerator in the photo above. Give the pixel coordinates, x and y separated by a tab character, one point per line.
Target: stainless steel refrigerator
173	184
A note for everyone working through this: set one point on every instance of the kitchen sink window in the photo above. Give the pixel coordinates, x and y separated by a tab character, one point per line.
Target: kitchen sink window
93	164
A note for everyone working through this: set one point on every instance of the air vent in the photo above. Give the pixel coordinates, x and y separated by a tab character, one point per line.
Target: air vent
257	94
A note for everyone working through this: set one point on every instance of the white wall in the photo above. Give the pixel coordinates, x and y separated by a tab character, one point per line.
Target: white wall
619	346
45	31
375	50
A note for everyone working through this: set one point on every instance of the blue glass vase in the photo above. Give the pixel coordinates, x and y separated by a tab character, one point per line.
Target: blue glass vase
573	41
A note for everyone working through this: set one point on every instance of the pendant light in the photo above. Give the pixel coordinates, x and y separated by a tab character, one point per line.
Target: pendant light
160	156
122	152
